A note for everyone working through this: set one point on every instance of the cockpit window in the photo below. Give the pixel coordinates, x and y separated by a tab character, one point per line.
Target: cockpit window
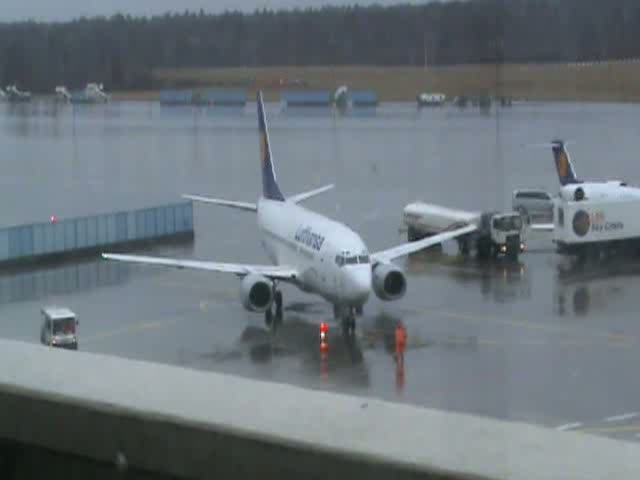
346	259
508	223
363	259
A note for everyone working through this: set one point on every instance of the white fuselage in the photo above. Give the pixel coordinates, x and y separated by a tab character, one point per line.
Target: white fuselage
317	247
611	190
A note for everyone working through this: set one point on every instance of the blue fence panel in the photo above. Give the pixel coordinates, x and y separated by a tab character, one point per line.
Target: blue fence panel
121	227
20	241
58	236
170	212
140	230
161	221
309	98
44	235
149	223
188	216
226	97
110	222
131	225
4	244
176	97
102	229
70	234
364	98
81	233
92	231
39	245
27	240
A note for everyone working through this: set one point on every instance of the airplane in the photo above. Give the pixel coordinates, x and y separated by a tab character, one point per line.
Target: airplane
573	189
315	253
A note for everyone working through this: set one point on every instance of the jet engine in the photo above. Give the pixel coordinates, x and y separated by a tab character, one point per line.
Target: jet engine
256	293
573	194
389	282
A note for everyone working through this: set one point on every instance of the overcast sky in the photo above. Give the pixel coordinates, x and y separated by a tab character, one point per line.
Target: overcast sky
58	10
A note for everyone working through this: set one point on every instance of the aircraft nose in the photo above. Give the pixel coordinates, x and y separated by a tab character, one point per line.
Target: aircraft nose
358	285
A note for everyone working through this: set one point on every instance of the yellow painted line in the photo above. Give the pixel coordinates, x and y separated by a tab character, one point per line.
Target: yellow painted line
139	327
552	328
610	430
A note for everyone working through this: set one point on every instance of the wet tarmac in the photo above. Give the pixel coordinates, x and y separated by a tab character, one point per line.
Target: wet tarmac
541	340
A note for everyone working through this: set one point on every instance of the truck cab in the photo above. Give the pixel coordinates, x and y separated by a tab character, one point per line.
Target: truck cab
59	328
505	234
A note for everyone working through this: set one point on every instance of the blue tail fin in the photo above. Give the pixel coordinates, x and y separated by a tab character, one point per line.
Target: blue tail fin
566	173
270	187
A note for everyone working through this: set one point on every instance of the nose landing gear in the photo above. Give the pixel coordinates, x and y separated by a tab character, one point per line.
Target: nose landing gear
348	317
272	320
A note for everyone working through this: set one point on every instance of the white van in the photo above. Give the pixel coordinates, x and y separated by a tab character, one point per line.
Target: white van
59	328
533	205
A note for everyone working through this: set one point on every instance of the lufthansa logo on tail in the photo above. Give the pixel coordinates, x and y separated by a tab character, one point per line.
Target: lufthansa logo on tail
263	148
581	223
563	164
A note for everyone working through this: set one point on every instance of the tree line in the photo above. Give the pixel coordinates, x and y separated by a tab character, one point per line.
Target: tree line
122	51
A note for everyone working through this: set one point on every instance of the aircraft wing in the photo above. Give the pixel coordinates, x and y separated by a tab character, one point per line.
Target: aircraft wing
541	227
251	207
269	271
412	247
311	193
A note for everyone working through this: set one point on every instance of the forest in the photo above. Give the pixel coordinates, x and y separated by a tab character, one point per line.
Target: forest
123	51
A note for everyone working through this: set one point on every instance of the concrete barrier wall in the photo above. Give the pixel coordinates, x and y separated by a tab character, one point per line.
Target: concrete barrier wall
62	237
192	424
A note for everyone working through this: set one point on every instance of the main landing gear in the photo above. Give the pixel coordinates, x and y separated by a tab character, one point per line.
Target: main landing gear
271	319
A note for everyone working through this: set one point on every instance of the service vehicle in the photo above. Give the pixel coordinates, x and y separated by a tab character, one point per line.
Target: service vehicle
59	328
534	205
494	233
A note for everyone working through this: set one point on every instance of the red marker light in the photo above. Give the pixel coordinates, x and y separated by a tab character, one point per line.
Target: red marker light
324	328
53	219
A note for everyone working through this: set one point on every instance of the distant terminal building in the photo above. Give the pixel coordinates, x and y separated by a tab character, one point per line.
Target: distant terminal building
343	98
306	98
214	97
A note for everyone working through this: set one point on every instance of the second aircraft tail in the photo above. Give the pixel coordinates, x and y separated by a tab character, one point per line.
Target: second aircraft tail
566	173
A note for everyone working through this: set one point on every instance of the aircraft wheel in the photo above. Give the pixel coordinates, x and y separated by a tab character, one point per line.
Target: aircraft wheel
268	318
278	301
349	324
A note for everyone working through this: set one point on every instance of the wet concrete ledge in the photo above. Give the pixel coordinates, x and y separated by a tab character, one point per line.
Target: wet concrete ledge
164	421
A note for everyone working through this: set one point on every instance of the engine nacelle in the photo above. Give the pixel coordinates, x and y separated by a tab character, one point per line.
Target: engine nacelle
573	194
256	293
389	282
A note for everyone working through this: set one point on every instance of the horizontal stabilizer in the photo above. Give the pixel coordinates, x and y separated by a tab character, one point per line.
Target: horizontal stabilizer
300	197
251	207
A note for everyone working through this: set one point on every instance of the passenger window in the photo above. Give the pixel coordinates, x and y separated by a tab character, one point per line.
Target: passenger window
363	259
